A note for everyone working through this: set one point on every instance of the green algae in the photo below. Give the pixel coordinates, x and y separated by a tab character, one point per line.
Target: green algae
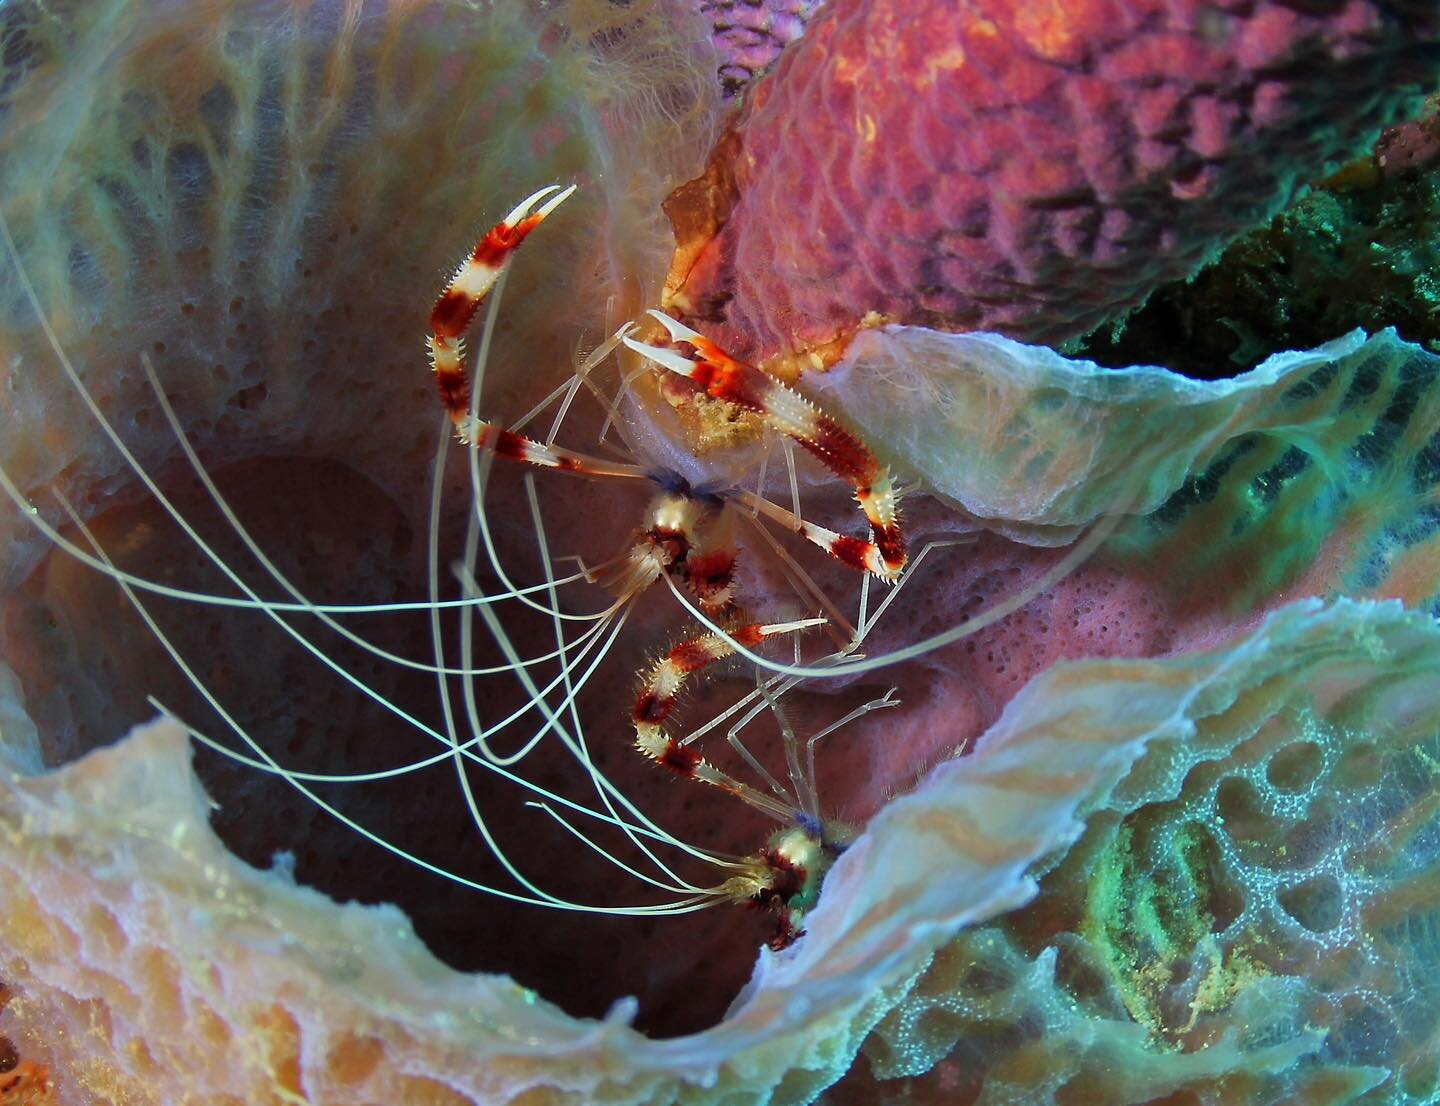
1155	904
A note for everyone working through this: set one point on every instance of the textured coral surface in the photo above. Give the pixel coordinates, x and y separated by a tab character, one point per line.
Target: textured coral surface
1029	168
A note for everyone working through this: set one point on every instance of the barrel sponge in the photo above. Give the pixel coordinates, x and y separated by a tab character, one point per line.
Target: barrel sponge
1028	168
130	919
199	183
1245	907
148	964
1313	474
1250	914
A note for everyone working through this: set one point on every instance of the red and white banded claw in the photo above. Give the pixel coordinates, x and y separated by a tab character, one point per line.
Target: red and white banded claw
787	411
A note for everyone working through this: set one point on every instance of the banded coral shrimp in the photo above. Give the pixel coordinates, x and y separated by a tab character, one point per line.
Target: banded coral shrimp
402	792
253	756
682	539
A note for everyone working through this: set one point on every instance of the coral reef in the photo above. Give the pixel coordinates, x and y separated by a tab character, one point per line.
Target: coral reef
262	197
1028	169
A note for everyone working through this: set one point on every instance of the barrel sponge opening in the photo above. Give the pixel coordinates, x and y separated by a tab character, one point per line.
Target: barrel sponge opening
198	183
960	850
1272	802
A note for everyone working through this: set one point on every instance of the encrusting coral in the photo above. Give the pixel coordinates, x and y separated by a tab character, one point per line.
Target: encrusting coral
1261	761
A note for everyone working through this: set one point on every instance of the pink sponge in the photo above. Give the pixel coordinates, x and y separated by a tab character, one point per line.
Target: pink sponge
1026	167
